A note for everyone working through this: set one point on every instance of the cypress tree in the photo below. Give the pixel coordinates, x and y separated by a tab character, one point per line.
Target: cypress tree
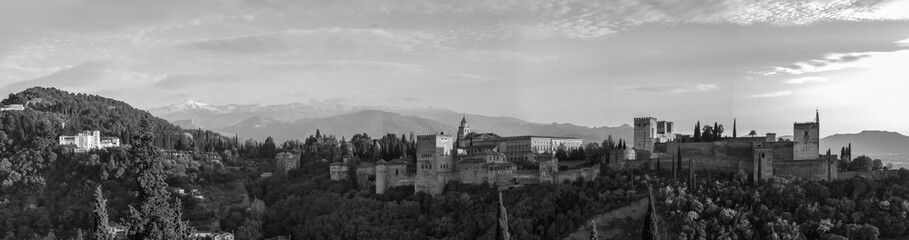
156	217
592	230
102	226
502	226
678	163
734	133
716	132
690	173
697	132
650	230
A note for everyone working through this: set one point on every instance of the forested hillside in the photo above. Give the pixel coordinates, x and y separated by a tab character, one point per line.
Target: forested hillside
46	189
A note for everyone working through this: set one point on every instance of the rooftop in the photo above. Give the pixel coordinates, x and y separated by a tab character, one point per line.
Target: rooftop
531	136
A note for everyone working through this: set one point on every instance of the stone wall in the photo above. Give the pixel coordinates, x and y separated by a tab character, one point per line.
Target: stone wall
806	169
575	174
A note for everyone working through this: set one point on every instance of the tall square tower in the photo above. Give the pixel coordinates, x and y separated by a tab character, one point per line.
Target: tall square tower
435	163
645	132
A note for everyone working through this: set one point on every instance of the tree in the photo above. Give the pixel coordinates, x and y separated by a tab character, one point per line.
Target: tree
502	226
734	132
561	154
877	165
269	149
707	133
697	132
718	131
752	133
861	163
103	230
156	217
352	173
650	230
592	230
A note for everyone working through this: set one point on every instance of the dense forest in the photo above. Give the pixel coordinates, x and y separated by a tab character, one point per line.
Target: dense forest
780	208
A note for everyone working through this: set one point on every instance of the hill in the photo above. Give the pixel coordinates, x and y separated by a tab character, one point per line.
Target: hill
871	143
80	112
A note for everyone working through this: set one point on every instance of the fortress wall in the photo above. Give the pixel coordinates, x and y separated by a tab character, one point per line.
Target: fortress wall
782	150
805	169
738	150
704	163
472	174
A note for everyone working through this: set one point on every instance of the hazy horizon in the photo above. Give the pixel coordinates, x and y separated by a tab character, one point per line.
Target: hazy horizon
767	63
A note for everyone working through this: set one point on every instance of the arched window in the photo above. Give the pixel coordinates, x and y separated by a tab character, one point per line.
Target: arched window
396	172
762	155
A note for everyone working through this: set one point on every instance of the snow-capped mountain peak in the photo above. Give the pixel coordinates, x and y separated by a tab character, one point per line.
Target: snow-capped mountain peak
189	105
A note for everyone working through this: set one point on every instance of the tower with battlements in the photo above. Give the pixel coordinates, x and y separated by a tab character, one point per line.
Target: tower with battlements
648	131
435	163
645	129
806	138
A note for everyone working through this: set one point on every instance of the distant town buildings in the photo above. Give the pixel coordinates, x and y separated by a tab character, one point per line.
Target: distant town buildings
89	140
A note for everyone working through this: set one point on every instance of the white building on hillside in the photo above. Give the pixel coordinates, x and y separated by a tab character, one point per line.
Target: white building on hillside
88	140
12	107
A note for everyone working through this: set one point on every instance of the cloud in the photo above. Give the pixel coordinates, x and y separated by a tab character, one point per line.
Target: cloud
471	77
830	62
346	66
91	76
501	55
669	89
904	42
772	94
805	80
357	40
573	19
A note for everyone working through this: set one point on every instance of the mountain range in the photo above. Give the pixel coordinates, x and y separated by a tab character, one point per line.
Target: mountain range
298	120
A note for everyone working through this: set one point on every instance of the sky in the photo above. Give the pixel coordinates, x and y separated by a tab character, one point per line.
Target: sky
765	63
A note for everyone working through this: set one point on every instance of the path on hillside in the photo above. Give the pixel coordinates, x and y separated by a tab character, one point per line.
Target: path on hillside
622	223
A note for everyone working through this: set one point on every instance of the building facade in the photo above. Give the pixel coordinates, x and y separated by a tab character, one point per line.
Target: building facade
435	163
286	161
648	131
89	140
525	148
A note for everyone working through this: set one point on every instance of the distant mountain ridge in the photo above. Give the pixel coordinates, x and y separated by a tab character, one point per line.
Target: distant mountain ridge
297	120
869	142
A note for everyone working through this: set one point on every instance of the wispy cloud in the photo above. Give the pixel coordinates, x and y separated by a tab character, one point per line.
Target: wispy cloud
833	61
805	80
471	77
357	40
772	94
501	55
669	89
346	66
904	42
